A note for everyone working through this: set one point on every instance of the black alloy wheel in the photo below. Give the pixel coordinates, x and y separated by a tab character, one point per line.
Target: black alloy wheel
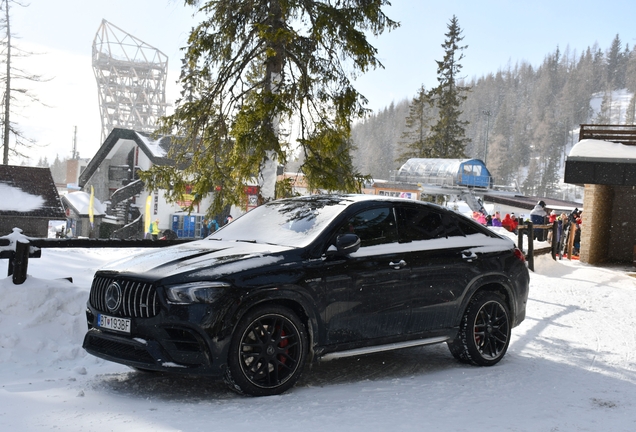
267	352
484	333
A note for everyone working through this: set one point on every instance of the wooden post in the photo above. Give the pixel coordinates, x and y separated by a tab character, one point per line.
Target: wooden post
21	262
530	233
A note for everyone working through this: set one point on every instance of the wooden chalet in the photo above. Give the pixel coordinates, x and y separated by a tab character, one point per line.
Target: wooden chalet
28	200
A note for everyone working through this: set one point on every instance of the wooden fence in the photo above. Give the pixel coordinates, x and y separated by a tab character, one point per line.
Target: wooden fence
26	248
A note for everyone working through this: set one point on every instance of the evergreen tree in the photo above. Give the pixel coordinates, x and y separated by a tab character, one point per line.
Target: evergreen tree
377	140
417	127
58	170
253	67
448	136
616	65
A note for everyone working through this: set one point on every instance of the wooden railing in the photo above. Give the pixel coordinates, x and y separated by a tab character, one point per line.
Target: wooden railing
528	230
623	134
25	248
559	246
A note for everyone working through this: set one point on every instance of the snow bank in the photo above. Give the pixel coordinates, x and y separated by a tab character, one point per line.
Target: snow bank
42	322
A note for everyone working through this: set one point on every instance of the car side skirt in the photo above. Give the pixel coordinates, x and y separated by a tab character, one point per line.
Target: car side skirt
386	347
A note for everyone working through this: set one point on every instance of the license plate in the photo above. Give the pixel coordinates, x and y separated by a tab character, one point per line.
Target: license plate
113	323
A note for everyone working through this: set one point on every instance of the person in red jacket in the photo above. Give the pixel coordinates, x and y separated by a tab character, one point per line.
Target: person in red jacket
515	222
507	223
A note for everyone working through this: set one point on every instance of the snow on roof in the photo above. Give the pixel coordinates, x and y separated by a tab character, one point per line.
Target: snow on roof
15	199
153	145
591	148
80	200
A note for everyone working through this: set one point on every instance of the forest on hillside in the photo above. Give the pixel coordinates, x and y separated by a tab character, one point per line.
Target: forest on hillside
523	119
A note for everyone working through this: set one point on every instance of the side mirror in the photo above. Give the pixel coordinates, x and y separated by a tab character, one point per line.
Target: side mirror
345	245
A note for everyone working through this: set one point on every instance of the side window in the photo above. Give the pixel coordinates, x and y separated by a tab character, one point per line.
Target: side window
459	226
466	228
421	224
374	226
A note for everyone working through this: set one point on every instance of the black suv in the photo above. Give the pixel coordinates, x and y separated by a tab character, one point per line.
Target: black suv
310	278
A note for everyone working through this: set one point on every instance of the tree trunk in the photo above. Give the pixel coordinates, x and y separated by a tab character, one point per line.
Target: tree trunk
273	70
7	92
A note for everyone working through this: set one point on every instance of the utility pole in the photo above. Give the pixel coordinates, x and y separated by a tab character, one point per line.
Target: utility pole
74	154
487	113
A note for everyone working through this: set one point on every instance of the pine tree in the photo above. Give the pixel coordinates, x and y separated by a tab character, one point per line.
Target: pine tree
616	65
254	73
417	128
448	136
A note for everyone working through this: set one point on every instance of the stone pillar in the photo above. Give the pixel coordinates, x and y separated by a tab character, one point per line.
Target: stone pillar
595	229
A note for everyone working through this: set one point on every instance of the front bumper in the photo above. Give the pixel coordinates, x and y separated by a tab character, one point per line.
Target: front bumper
157	344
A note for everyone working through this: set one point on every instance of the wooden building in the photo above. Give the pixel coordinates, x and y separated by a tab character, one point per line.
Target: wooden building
28	200
604	160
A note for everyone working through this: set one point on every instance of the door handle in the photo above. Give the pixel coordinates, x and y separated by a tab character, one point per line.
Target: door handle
398	265
469	255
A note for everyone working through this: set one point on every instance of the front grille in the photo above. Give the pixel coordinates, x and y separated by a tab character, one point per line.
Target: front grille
118	349
139	299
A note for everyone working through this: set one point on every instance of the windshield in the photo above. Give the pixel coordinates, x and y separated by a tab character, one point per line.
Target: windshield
292	222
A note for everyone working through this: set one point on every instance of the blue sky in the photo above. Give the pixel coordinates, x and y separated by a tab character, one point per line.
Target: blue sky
497	32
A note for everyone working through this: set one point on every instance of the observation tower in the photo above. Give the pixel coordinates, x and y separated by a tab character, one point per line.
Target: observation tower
131	80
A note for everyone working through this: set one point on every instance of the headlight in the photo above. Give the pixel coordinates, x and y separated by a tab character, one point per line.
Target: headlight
195	292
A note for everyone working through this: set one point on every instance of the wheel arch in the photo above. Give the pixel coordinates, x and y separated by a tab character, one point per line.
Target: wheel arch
286	297
496	284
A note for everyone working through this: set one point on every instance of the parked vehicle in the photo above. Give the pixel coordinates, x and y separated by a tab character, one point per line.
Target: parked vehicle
306	279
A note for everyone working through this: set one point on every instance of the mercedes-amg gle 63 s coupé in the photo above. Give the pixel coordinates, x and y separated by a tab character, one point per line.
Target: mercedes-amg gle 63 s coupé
306	279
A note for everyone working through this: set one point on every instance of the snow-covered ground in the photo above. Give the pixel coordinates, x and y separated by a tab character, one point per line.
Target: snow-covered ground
571	366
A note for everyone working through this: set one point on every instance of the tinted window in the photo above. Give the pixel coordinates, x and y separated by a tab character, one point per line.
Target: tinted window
466	227
375	226
421	224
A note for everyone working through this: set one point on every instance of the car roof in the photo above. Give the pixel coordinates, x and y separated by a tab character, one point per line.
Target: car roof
357	198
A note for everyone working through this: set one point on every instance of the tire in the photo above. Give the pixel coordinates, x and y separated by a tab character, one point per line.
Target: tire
457	350
484	332
267	352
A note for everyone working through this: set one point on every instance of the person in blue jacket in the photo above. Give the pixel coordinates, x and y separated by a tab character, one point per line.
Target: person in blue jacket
213	225
537	216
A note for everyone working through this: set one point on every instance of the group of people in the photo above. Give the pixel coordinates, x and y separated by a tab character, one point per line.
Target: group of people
573	221
208	226
538	216
509	222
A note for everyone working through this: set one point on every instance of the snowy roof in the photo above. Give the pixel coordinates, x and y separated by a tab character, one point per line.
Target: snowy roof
29	191
154	146
80	202
155	150
593	161
605	151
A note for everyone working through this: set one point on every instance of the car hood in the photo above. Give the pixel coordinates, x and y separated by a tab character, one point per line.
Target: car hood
203	259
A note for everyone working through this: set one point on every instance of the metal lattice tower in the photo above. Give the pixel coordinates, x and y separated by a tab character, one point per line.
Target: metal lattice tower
131	79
